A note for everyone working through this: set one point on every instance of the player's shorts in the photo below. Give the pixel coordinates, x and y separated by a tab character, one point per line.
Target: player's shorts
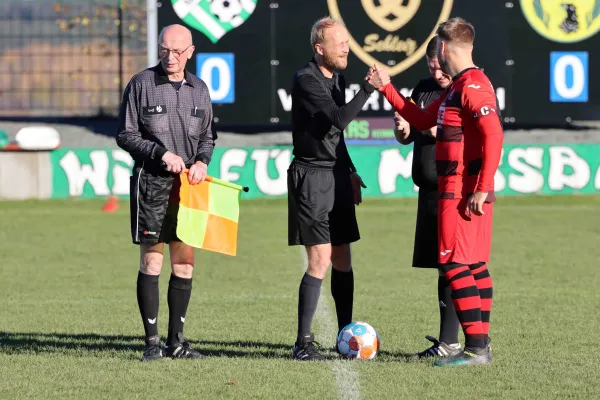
425	253
154	204
320	206
463	240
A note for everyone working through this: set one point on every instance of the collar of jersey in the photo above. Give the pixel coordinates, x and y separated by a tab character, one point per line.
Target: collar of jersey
160	76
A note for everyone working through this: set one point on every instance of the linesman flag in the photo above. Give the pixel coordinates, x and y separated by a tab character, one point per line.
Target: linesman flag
208	214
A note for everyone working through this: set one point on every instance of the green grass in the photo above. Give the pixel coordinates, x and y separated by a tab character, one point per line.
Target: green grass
70	327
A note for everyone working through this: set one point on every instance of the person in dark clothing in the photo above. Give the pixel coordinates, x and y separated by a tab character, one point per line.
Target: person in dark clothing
323	186
166	124
425	177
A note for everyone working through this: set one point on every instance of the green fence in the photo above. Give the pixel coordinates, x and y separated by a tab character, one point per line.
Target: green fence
386	170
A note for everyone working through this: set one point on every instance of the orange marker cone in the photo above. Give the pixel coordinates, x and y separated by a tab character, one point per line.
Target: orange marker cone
111	205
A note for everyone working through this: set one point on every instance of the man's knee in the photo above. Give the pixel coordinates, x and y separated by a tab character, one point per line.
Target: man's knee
151	258
341	257
319	259
183	270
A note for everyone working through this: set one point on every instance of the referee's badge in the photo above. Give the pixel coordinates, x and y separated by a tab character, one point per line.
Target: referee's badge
154	110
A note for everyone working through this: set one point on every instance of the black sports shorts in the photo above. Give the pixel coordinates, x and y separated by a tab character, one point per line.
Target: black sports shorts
320	206
154	204
425	247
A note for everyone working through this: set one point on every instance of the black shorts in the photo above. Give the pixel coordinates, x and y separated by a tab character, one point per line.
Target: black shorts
426	247
154	204
320	206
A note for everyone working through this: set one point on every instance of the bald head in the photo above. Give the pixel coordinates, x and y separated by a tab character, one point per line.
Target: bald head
175	47
175	33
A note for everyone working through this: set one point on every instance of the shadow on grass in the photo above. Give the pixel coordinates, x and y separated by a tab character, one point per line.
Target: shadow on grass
91	344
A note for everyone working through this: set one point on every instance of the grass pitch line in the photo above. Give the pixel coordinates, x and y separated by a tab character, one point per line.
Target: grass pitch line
346	377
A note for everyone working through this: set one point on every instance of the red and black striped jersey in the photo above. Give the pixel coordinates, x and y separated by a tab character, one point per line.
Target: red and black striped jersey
469	133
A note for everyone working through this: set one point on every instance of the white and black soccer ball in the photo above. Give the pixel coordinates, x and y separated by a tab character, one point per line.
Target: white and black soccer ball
226	10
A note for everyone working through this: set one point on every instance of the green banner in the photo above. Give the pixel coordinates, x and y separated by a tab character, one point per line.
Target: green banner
386	170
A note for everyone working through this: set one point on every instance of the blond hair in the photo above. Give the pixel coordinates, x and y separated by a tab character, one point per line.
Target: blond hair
317	33
456	30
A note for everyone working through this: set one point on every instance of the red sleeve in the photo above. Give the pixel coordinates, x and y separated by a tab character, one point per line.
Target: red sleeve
479	100
420	118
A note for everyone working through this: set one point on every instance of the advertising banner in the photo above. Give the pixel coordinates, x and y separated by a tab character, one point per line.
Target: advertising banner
537	54
386	170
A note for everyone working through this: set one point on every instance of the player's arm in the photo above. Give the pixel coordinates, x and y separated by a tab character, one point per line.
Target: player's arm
480	101
129	137
319	102
421	119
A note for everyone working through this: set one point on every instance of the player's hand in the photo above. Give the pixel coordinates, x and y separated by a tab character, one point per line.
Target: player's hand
475	203
380	77
401	127
197	173
369	74
357	183
430	132
173	163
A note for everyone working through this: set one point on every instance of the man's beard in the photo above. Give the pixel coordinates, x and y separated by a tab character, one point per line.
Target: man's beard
333	62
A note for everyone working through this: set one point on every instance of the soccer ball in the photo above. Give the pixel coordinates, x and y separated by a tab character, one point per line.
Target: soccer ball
225	10
358	340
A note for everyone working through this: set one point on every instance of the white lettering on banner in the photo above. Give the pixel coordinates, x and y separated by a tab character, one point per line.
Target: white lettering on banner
376	101
499	179
286	99
597	180
561	157
277	186
121	174
232	158
391	165
95	174
522	160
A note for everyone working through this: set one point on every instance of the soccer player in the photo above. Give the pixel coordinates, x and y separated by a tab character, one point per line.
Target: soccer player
468	151
166	124
425	177
323	186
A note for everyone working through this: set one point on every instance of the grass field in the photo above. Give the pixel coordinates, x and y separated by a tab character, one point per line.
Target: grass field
70	327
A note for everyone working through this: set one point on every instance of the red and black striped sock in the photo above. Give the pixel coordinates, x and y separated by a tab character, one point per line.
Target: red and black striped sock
484	284
467	302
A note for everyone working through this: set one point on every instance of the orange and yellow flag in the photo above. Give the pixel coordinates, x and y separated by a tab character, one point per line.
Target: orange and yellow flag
208	214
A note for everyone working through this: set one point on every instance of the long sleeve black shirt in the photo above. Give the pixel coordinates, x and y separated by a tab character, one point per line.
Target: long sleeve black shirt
156	116
320	115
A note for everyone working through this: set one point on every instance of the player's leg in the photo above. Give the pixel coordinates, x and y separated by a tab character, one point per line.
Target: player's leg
456	240
342	283
343	230
480	270
151	259
425	255
178	299
310	199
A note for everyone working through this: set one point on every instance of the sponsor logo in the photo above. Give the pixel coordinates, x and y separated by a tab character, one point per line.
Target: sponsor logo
563	21
214	18
385	32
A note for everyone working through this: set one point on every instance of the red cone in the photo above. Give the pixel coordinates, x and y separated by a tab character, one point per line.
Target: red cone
111	205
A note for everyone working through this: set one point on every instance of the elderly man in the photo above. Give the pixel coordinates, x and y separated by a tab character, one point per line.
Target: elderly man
166	124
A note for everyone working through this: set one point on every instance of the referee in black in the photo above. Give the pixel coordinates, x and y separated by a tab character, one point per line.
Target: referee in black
165	123
425	177
323	186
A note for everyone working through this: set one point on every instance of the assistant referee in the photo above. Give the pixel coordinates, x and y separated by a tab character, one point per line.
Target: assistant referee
323	186
425	177
166	124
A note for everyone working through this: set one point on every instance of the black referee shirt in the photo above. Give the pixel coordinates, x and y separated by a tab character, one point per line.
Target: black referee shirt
423	167
158	115
320	115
